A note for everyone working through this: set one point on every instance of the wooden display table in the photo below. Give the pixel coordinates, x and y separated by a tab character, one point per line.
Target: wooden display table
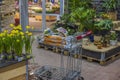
103	56
13	71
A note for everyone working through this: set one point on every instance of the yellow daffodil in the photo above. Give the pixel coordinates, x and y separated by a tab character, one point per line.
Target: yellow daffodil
14	28
11	34
13	31
16	31
17	40
12	25
3	39
16	37
21	33
23	37
28	27
18	27
5	31
29	34
0	35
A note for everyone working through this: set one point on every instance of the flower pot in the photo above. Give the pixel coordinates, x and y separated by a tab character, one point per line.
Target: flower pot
2	58
10	57
113	42
97	38
19	58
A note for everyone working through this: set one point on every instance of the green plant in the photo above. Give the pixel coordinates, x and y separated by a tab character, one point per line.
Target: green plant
15	40
110	5
104	24
73	4
28	42
82	17
113	35
79	16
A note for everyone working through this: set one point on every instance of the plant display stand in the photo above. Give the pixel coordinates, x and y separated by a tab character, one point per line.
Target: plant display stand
13	71
102	56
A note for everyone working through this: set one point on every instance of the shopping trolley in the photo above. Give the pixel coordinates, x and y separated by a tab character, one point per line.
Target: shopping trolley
72	69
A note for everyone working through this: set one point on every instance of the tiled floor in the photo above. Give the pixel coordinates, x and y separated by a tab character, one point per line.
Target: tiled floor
90	71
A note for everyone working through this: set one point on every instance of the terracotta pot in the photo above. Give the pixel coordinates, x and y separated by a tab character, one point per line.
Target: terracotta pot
17	21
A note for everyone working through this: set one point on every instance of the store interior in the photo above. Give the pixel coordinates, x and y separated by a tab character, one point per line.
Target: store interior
59	40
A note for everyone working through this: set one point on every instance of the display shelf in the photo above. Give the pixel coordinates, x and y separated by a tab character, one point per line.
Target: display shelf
13	71
8	63
13	67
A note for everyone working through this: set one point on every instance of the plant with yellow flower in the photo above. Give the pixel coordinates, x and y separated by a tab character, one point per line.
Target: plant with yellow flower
28	42
15	41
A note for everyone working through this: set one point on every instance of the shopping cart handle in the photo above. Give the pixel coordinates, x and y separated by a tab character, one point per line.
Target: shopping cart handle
83	35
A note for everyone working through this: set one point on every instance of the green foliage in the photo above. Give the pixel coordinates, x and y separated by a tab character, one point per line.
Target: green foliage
82	17
73	4
113	36
110	5
104	24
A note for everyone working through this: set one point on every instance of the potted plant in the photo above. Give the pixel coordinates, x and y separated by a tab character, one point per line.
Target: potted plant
113	38
12	44
110	7
103	26
79	15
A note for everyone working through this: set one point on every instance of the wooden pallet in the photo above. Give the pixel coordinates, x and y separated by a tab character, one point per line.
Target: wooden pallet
56	49
102	62
88	58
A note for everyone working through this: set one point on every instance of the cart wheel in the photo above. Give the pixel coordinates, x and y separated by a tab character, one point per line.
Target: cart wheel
80	78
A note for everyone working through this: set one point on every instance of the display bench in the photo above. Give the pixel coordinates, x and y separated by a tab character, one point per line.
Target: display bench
103	56
13	70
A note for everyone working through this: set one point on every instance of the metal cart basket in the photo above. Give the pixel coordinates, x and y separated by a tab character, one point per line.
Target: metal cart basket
69	71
